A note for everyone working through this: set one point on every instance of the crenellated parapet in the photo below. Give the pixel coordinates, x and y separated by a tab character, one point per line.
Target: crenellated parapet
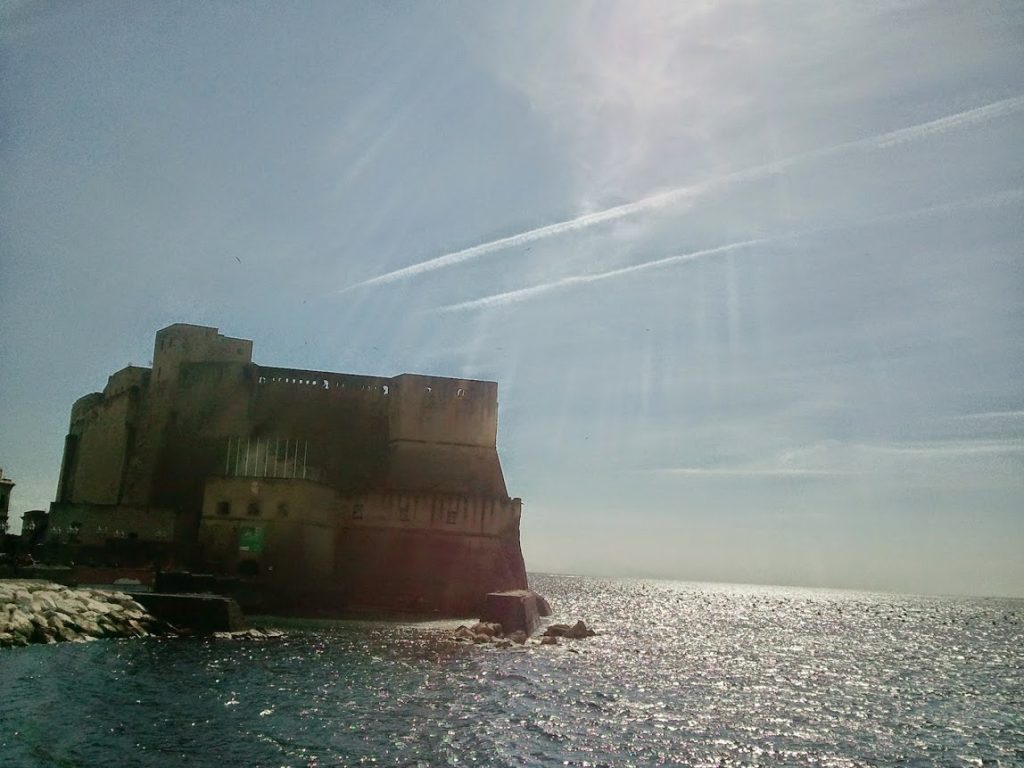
316	381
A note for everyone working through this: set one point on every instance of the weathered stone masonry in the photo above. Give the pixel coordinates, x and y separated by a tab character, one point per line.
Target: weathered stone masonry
366	491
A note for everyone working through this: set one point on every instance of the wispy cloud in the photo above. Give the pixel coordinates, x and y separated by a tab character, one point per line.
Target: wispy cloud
993	416
691	193
1007	197
835	459
755	472
949	448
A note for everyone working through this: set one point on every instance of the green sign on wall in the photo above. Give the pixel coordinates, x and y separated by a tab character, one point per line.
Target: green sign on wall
252	539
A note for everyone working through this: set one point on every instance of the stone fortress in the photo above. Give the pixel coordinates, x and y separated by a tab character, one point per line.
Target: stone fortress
343	491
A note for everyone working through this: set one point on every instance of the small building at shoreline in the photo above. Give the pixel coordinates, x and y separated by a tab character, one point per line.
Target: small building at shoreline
6	486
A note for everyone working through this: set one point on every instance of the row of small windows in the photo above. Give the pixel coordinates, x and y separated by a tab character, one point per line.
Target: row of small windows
358	511
253	509
451	517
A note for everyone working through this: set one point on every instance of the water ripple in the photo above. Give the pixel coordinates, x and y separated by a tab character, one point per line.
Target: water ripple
682	674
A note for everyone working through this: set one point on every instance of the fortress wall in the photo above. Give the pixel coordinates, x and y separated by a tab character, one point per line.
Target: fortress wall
188	422
439	410
460	469
83	407
100	444
189	425
81	412
370	550
425	552
94	525
100	439
175	421
267	500
296	519
142	461
437	512
183	343
341	419
127	378
212	398
294	553
442	436
415	570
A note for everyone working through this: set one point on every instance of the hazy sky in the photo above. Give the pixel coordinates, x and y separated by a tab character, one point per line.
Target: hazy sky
750	275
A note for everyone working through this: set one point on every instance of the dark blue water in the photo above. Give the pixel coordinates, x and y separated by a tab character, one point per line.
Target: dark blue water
683	674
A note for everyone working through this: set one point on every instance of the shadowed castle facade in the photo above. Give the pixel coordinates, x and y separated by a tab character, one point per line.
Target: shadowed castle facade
351	491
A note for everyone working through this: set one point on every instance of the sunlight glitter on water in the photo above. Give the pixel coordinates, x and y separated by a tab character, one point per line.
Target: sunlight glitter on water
681	674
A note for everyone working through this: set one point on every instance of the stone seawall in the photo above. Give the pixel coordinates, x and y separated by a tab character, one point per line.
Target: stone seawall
44	612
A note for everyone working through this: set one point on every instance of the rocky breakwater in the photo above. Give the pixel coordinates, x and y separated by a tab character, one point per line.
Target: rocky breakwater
578	631
484	632
489	632
43	612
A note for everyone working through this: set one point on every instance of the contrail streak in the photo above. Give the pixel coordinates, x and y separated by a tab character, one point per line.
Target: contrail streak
580	222
511	297
1007	197
951	122
678	195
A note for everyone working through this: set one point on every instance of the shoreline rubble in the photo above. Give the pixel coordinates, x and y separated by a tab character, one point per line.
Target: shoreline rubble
39	612
488	632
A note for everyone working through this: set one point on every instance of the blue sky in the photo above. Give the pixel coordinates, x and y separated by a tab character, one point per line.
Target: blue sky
750	276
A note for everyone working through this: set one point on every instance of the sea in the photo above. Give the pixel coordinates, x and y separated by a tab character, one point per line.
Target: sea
680	674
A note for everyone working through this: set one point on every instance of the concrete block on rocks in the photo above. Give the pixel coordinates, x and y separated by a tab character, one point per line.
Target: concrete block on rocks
515	610
201	613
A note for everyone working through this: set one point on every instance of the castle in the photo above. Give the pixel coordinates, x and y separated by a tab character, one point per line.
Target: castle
342	490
